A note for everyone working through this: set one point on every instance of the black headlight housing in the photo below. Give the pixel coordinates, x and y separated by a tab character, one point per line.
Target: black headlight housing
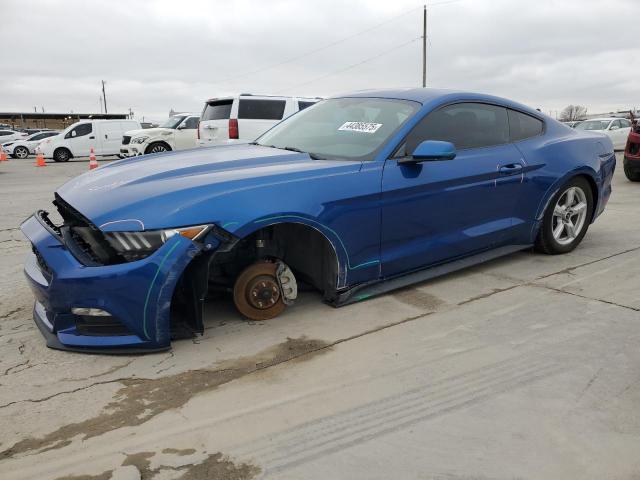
138	245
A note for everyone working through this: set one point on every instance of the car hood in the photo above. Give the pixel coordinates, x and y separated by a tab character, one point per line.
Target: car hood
151	132
198	186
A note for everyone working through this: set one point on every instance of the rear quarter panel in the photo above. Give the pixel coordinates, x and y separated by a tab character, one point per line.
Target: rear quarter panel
552	159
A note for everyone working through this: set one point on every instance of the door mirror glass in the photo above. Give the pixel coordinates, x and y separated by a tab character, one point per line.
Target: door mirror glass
431	150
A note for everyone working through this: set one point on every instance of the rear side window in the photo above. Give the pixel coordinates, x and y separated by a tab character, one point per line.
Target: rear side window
522	126
261	109
302	105
39	136
217	110
466	125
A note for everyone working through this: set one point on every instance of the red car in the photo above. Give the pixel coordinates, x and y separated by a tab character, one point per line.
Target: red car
632	153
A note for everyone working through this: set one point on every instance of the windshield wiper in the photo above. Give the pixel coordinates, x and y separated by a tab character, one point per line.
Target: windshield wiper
312	155
291	149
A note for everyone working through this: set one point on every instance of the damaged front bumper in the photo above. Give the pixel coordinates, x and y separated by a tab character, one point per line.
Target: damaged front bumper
133	299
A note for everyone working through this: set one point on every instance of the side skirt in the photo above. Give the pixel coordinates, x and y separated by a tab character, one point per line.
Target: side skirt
378	287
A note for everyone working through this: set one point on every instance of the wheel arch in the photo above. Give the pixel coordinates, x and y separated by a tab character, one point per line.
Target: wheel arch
153	142
62	147
340	259
585	172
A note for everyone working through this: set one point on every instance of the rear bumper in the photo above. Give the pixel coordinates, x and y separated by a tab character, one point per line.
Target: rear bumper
215	142
136	294
632	163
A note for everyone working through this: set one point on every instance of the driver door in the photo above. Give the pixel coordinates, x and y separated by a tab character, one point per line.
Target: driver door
435	211
81	139
185	134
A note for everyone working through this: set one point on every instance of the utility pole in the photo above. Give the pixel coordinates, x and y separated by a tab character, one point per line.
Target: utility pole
424	47
104	96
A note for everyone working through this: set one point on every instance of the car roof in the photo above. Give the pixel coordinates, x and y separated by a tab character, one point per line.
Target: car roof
258	97
601	119
436	96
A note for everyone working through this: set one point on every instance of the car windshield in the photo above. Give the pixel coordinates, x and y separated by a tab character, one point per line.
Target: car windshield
593	125
172	122
341	128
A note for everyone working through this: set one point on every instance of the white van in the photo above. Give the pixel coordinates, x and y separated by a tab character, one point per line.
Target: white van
105	136
245	117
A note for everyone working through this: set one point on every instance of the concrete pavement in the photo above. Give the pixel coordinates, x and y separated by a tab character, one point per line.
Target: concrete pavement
524	367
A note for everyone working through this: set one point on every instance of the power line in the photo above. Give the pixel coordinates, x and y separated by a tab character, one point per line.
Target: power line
446	2
319	49
353	65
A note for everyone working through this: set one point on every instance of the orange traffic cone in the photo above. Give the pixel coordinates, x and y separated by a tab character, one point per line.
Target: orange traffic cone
93	163
3	155
40	159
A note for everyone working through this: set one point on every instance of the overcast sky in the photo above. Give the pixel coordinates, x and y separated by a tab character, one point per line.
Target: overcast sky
158	55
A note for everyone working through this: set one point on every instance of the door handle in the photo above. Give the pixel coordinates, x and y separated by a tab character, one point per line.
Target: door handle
92	138
510	169
106	136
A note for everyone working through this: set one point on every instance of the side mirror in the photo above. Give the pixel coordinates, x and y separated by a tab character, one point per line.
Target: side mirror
432	150
74	133
614	127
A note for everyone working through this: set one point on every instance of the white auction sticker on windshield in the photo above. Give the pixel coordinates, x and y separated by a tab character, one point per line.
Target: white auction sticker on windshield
364	127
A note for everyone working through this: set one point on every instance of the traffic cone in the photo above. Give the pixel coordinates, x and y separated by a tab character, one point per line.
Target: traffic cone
93	163
3	155
40	159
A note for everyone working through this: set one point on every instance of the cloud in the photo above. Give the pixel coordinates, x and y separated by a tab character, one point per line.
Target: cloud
175	54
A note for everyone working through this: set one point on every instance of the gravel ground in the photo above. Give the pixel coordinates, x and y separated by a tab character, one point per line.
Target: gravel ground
524	367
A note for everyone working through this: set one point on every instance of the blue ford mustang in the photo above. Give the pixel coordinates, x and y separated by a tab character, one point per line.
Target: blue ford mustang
354	196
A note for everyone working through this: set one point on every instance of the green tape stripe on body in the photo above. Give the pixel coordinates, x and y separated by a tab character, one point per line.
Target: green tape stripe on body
146	302
361	265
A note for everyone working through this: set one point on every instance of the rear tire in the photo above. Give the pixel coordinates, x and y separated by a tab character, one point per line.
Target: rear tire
567	218
61	155
633	176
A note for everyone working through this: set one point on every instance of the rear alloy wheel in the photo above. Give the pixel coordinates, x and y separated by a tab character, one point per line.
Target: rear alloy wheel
566	220
256	292
157	147
21	152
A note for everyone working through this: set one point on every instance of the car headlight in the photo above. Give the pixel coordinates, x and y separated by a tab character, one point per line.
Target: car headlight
7	144
138	245
139	139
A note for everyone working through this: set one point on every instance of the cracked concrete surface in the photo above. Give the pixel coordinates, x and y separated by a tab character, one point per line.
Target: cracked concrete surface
524	367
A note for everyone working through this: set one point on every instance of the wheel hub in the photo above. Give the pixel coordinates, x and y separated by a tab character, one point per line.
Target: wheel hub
263	292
